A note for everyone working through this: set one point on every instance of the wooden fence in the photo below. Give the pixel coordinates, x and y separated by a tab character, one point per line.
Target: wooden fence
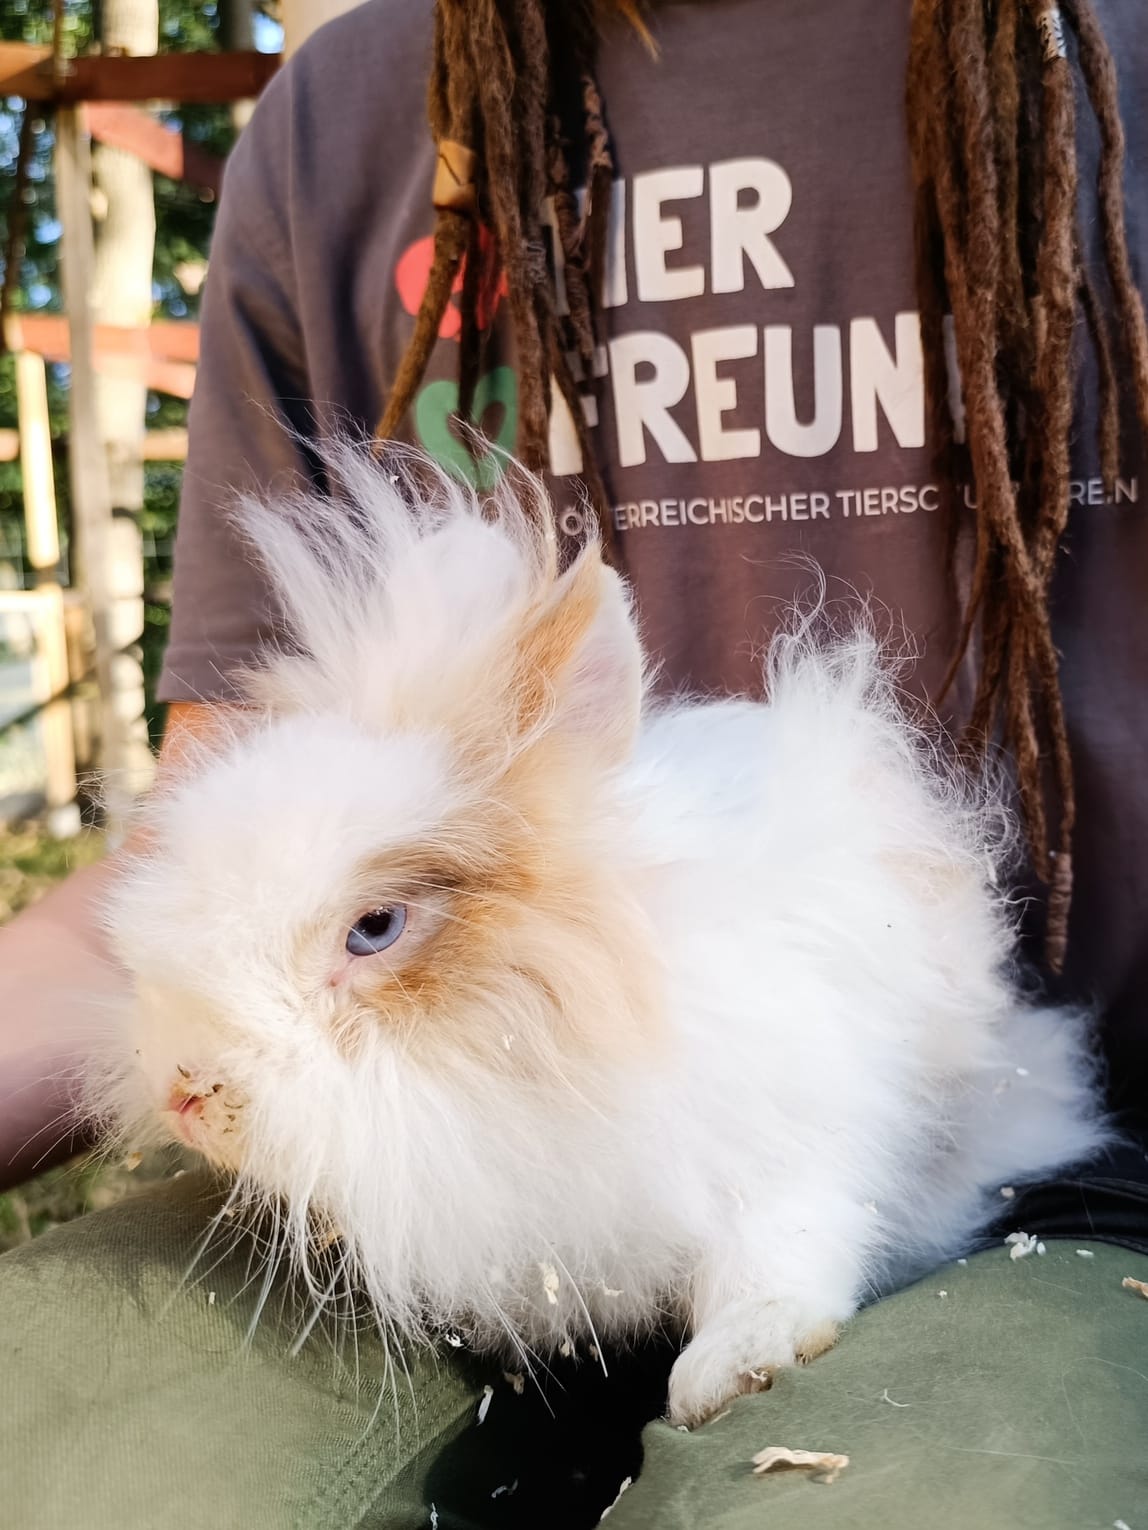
91	97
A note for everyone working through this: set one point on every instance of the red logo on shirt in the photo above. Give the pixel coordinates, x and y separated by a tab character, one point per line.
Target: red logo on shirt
413	272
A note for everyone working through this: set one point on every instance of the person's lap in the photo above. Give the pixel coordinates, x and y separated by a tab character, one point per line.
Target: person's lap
134	1398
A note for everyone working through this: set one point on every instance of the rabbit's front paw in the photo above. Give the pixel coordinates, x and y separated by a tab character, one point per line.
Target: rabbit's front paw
739	1351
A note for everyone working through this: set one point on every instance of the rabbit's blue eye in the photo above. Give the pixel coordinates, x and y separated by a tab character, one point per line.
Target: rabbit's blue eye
377	930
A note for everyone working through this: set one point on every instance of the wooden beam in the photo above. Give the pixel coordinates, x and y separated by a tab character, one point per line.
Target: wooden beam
163	340
168	153
162	354
171	377
168	444
22	71
26	70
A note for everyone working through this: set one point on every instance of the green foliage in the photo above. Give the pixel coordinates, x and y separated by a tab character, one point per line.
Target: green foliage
61	1195
31	861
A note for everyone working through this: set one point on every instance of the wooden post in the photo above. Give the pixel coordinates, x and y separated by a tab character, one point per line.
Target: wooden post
87	461
43	544
302	17
120	292
39	484
237	35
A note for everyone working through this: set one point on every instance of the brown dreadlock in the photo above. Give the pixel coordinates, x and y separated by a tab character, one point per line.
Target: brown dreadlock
991	102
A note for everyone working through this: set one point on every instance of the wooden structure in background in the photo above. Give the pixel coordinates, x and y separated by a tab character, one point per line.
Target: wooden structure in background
301	18
43	550
26	69
92	98
166	152
166	445
163	355
87	463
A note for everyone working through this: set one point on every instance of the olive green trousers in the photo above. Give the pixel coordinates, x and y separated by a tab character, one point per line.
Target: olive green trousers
137	1396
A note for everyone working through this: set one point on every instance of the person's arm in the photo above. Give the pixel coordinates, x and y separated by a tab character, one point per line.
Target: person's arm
58	981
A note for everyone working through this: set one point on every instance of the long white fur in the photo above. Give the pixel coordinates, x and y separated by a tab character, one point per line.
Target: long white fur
839	1072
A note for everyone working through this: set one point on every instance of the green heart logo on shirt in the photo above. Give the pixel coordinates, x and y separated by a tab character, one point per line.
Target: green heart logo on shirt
437	405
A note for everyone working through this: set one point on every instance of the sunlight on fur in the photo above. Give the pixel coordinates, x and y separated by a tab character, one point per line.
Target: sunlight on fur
558	1011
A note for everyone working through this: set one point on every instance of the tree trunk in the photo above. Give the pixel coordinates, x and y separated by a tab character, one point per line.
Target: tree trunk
237	35
123	205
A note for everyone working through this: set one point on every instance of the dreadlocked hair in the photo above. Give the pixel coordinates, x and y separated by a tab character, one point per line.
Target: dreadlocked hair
992	95
992	100
508	77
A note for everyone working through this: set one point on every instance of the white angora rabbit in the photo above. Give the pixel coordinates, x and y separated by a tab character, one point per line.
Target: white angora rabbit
565	1011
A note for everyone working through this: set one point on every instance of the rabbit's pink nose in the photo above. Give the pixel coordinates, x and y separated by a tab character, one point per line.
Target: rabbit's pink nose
186	1099
182	1102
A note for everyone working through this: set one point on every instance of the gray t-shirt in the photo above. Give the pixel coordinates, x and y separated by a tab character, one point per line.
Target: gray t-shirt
760	398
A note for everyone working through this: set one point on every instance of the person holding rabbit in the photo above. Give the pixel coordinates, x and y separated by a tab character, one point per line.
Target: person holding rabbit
575	1059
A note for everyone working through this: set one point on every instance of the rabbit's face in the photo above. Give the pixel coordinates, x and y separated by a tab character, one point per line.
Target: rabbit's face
335	919
282	901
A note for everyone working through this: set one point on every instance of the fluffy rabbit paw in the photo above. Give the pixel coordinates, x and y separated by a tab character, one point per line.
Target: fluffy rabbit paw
739	1351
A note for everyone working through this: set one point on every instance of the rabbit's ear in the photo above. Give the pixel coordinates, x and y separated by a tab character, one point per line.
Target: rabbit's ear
580	662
